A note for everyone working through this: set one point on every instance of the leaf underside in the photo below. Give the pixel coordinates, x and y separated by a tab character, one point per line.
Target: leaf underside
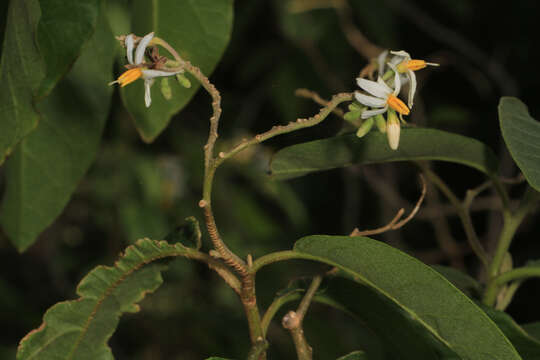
415	144
80	329
522	136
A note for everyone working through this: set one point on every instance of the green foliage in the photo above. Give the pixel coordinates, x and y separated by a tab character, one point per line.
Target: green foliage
80	329
415	144
48	164
521	133
63	30
411	305
200	30
526	345
459	279
21	71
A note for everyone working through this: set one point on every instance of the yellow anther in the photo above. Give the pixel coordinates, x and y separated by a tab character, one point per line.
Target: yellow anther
128	77
413	65
395	103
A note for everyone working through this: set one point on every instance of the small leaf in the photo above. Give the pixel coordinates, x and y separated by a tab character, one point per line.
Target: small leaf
80	329
411	305
415	144
522	136
48	164
63	30
199	30
21	71
187	234
355	355
526	345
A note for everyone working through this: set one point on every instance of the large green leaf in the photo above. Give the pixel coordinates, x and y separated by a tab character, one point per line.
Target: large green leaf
48	164
63	30
79	329
415	144
199	30
522	136
21	71
412	306
527	346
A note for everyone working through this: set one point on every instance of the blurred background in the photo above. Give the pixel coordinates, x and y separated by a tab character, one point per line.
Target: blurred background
136	190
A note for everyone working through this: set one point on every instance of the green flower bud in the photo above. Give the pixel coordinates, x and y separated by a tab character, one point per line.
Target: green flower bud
365	127
166	89
184	81
380	122
353	115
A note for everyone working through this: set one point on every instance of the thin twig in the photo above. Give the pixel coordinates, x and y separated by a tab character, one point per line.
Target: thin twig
395	223
283	129
308	94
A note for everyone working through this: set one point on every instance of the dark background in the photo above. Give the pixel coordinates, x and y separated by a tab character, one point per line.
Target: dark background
133	190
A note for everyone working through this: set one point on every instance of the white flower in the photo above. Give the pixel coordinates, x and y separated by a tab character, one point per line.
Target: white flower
383	96
406	65
138	69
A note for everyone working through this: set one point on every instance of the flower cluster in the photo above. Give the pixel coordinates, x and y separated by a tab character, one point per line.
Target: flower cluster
138	68
383	93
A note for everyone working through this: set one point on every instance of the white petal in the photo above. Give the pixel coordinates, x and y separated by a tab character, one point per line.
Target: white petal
373	88
397	81
147	97
412	88
369	113
381	60
129	42
150	73
401	53
141	48
395	60
387	88
370	101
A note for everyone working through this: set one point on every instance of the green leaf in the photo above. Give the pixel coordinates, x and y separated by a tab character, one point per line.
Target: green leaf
522	136
200	31
407	302
21	71
79	329
355	355
63	30
459	279
415	144
48	164
526	345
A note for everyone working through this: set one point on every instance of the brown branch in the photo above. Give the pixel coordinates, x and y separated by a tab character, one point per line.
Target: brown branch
309	94
395	223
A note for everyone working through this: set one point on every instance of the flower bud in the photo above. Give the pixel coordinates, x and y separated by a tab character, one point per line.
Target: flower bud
166	89
365	127
183	80
393	130
380	122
